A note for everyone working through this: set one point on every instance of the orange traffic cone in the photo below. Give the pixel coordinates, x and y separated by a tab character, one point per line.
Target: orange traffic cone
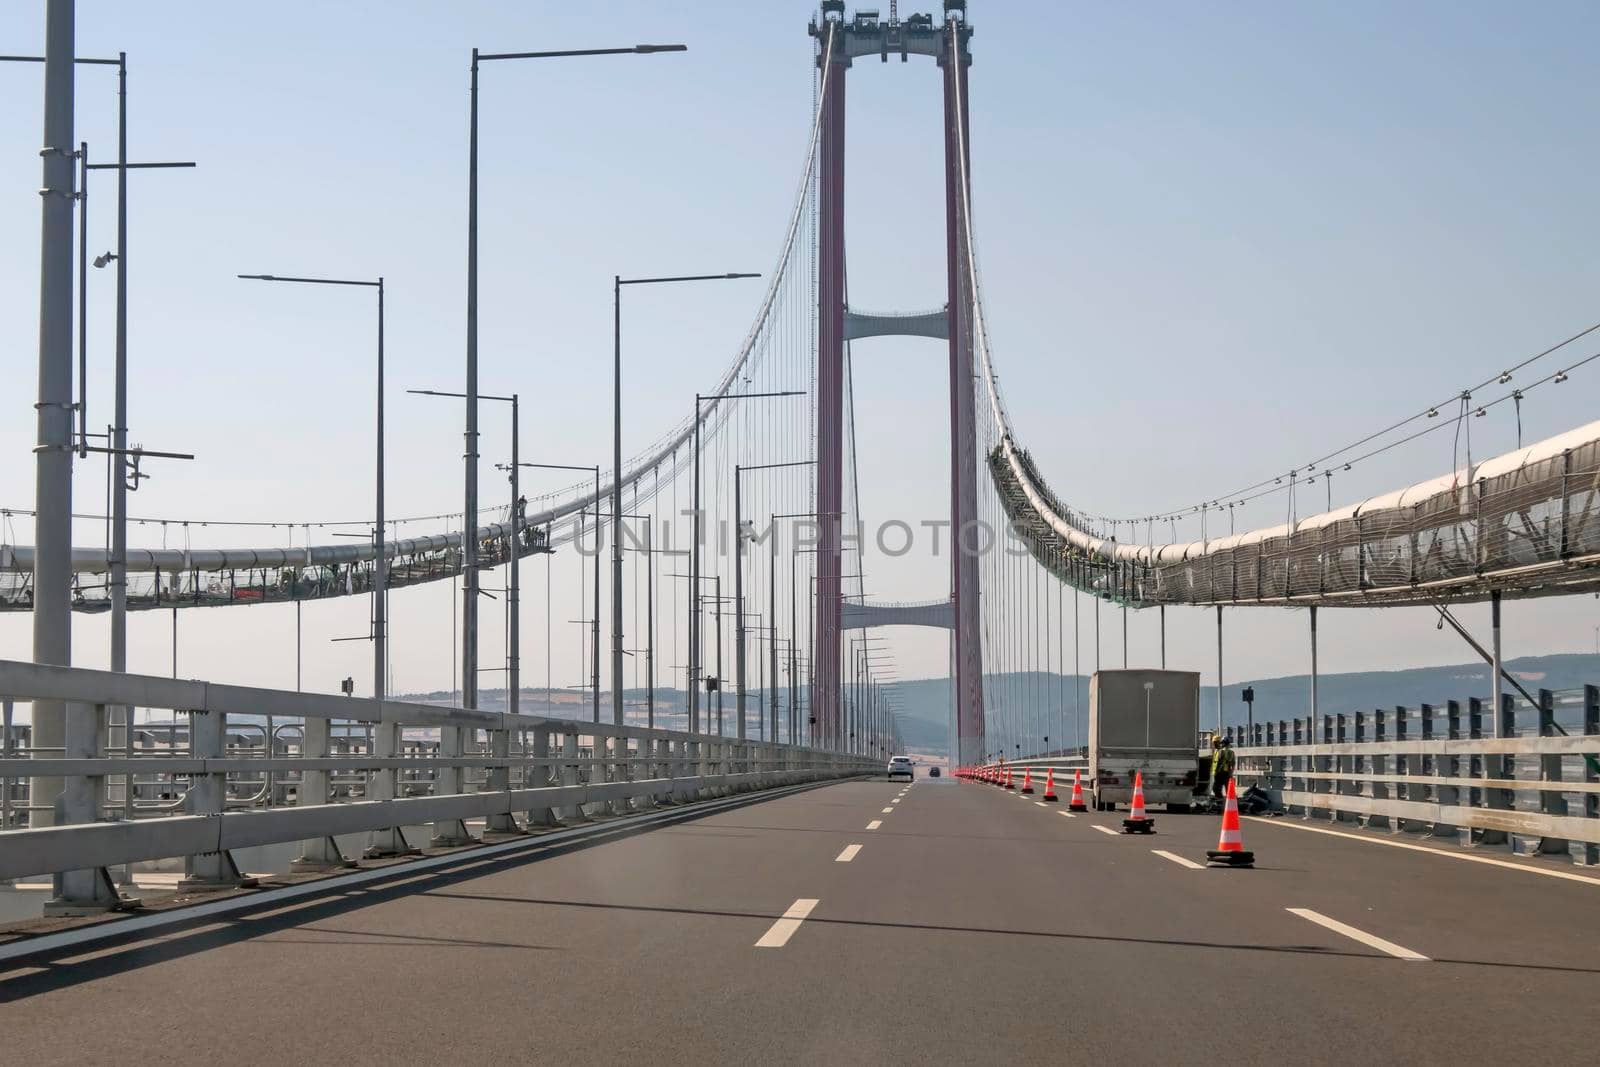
1027	780
1076	803
1137	821
1009	783
1230	850
1050	785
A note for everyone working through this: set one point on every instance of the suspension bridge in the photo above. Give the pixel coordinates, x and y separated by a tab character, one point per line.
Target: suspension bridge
722	821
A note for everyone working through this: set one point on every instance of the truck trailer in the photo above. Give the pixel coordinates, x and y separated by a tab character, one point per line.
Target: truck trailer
1144	721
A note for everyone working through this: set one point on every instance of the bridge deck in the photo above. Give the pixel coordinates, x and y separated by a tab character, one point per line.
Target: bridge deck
971	923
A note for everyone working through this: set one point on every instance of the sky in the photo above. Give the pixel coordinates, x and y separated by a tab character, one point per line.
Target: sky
1215	241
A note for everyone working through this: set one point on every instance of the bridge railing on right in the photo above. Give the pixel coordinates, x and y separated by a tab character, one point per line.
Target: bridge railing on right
1444	770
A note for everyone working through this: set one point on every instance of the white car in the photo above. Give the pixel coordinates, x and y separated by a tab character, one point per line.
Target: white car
901	765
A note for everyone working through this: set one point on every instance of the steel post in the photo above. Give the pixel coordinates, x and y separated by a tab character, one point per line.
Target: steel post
448	780
52	574
616	505
693	678
738	608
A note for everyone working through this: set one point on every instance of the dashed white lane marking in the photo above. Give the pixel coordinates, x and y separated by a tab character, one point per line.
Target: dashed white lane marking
1370	940
848	854
1068	814
1179	860
896	800
888	811
874	824
781	931
1548	873
1041	804
1107	830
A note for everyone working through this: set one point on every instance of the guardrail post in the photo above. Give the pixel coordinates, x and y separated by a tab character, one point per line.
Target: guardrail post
383	783
1376	765
1308	759
1495	766
539	775
1551	802
499	781
1460	797
1400	764
569	773
1427	763
208	795
1591	801
316	853
448	781
88	891
622	751
663	770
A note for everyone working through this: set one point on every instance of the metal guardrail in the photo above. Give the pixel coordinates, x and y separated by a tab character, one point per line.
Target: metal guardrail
1450	770
214	766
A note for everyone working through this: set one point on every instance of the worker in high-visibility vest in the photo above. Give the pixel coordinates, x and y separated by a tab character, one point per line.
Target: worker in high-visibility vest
1221	766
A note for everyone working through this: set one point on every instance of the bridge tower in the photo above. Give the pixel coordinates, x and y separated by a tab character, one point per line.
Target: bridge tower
841	40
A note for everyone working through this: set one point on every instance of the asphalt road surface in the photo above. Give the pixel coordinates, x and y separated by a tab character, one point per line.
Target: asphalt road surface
861	922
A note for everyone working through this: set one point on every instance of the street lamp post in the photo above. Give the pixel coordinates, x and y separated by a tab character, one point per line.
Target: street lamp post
500	740
469	639
738	583
386	736
381	561
617	282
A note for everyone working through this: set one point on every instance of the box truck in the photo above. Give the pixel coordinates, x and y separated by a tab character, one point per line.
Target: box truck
1144	721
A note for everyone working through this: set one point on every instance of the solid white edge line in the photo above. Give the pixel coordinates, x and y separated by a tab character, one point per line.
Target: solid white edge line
32	946
848	854
874	824
1107	830
1370	940
1507	864
1179	860
779	933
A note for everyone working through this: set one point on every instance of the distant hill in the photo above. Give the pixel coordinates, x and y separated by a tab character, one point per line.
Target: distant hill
924	724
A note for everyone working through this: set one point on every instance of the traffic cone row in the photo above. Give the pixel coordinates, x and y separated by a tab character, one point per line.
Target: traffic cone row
1137	821
1230	850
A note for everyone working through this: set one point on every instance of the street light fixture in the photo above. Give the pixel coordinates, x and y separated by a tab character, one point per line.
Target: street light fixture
380	581
469	639
617	282
386	736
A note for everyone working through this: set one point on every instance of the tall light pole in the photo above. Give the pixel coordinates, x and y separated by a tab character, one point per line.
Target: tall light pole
380	577
617	282
469	633
694	550
738	583
52	574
